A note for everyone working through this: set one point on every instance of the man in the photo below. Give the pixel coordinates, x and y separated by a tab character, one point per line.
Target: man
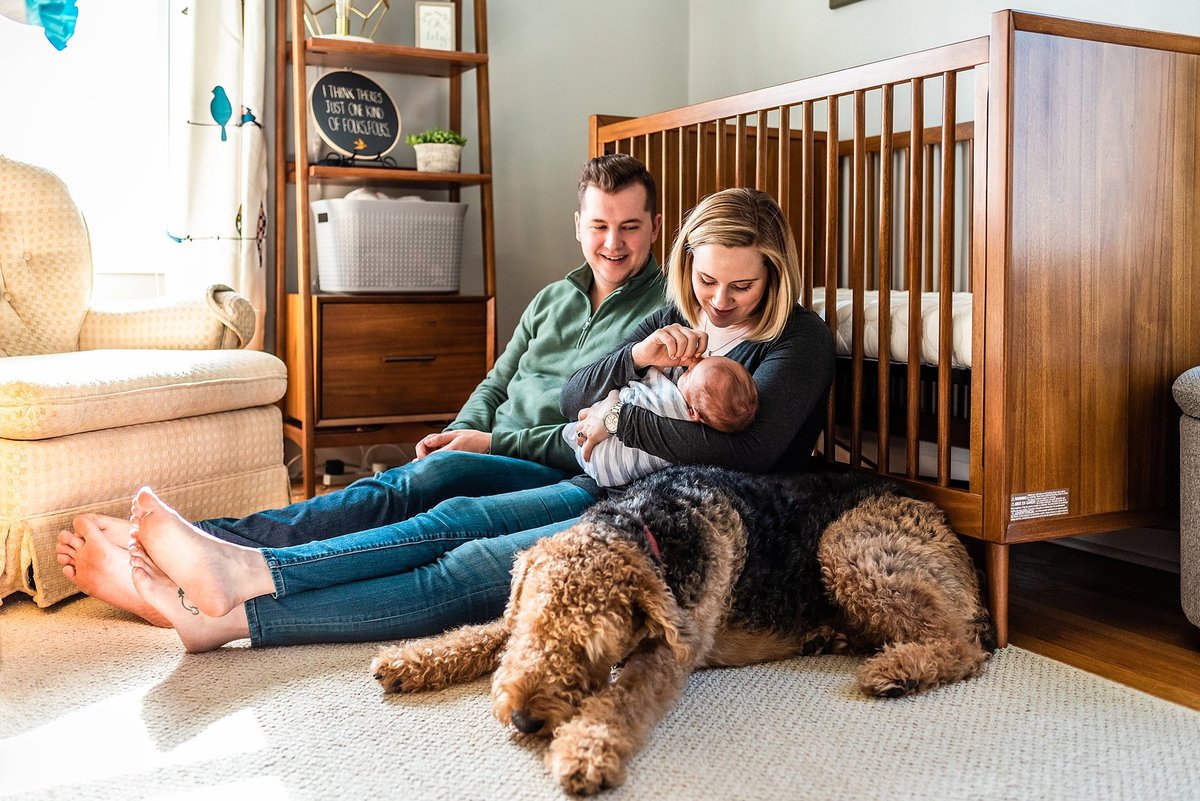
510	429
570	323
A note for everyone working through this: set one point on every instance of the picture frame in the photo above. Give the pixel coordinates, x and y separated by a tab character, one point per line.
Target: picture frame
435	25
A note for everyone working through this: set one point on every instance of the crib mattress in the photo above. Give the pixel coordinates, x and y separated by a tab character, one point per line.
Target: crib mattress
960	351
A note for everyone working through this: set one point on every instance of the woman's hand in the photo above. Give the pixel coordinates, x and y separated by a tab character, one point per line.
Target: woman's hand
674	345
590	431
460	440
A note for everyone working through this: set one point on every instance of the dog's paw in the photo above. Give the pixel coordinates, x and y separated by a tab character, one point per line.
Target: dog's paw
899	670
584	761
823	640
396	673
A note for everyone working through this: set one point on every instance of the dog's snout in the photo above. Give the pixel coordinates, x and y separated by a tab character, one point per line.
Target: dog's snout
526	723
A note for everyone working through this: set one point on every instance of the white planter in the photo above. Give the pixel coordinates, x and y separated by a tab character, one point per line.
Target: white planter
438	157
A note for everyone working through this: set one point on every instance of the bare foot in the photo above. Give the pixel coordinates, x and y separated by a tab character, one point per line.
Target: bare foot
197	631
217	576
95	563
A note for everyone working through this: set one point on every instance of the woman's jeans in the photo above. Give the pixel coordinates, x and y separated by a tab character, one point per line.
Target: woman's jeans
409	555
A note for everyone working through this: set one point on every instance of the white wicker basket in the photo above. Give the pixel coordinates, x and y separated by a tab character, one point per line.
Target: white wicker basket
366	245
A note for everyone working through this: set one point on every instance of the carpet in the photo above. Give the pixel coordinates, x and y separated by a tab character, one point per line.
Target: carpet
99	706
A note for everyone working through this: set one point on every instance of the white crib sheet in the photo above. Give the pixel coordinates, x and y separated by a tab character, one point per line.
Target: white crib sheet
960	352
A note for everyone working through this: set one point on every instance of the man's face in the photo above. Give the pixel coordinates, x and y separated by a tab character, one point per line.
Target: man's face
615	232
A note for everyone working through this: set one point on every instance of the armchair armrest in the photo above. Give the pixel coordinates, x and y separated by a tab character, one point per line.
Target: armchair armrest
1187	392
221	319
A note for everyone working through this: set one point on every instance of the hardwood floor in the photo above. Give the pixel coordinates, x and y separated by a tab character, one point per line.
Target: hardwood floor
1108	617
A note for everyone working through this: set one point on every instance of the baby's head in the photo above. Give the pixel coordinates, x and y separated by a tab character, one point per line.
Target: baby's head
720	393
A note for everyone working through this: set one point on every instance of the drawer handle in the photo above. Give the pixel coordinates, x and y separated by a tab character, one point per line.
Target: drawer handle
390	359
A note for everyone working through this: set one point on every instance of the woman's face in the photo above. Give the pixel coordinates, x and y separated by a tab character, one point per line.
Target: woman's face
729	283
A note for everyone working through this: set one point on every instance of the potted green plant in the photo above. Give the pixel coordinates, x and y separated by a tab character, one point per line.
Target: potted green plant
438	149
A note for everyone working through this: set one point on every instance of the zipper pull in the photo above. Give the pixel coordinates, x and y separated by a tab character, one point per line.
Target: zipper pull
587	325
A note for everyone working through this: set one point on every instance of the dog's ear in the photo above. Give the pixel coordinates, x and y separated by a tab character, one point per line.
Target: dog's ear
520	568
663	617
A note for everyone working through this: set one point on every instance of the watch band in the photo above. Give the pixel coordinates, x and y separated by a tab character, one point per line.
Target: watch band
612	418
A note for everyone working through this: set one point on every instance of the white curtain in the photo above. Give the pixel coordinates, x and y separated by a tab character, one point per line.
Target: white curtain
216	148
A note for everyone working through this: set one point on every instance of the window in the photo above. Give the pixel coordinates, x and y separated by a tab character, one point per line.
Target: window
95	114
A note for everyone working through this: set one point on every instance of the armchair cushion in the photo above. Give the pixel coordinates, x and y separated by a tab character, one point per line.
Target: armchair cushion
67	393
221	319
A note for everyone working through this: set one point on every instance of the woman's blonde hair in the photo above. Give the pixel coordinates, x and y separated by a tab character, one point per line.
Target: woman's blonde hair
739	218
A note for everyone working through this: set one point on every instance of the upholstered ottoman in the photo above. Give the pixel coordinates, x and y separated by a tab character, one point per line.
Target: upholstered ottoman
1187	395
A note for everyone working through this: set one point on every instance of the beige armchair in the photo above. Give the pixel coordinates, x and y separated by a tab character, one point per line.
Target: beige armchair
97	402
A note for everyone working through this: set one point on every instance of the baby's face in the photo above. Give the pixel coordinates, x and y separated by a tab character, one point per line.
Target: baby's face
690	384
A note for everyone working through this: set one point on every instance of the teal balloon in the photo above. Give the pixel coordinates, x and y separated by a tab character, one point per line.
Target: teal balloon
221	109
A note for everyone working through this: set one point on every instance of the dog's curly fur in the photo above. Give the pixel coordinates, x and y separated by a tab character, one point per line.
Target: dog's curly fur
698	567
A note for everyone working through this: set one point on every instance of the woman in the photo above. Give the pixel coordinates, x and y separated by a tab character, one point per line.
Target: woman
734	281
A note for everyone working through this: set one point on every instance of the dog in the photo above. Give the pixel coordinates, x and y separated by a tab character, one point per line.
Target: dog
700	567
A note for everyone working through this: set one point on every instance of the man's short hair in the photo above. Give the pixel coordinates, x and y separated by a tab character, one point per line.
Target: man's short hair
613	172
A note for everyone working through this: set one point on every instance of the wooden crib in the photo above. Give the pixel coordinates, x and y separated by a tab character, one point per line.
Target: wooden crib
1053	174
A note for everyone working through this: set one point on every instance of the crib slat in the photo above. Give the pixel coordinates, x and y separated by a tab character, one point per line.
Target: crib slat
657	167
722	157
927	239
857	273
979	170
915	186
701	156
740	151
871	212
885	280
807	202
666	196
783	163
760	155
945	319
681	204
831	257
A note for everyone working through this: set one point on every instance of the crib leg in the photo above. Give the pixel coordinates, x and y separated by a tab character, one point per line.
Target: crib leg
996	561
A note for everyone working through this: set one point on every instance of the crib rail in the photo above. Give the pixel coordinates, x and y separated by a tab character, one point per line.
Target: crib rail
879	188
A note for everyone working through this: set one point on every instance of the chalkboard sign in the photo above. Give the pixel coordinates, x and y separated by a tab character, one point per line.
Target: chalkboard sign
354	115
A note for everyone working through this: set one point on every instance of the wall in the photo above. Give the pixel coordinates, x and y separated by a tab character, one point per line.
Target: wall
553	65
782	40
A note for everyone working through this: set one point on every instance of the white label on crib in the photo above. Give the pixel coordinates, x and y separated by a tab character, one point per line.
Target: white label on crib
1028	505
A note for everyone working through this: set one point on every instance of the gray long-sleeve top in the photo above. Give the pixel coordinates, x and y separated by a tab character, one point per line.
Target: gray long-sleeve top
793	374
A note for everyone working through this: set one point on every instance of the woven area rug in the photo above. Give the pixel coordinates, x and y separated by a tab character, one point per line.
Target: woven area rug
97	705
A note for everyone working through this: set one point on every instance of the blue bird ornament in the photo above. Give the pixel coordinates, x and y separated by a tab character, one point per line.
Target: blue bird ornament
221	109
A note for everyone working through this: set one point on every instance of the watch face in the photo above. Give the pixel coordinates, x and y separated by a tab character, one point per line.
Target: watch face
612	418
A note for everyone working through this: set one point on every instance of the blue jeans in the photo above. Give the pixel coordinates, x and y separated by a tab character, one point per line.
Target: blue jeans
384	499
444	568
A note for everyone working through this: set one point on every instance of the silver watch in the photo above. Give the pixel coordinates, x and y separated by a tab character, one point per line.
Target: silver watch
612	417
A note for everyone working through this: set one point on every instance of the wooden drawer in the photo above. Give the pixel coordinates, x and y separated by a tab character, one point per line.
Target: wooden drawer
397	359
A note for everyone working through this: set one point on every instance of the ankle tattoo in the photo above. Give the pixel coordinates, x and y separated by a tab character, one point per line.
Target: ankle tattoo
183	602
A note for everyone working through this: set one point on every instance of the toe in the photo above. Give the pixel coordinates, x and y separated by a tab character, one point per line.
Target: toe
69	572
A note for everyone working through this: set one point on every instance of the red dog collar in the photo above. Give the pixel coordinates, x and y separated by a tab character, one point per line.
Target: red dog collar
654	549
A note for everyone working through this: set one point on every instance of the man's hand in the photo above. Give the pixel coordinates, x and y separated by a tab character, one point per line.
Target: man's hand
674	345
591	431
461	440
